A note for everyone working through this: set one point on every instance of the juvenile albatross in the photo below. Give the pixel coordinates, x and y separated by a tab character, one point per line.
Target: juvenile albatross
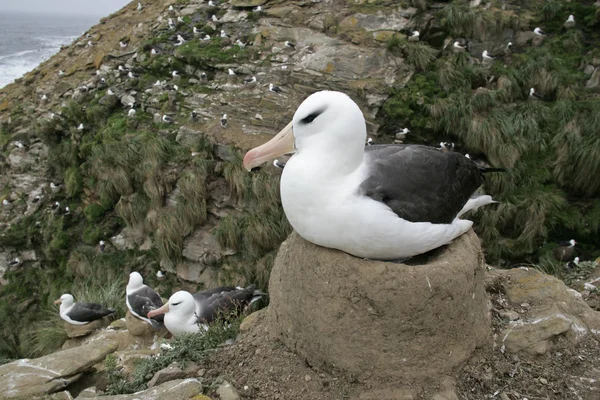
384	202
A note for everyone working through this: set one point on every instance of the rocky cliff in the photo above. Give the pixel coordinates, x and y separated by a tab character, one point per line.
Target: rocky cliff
170	194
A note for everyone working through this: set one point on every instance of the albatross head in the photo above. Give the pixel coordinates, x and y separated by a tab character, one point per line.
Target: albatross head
66	301
179	313
135	281
327	124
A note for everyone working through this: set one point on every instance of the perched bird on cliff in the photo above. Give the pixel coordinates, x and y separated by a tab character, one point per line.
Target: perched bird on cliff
80	127
570	22
197	32
132	75
55	205
400	136
290	44
109	92
446	147
240	44
159	274
223	34
278	164
273	88
206	37
180	40
194	116
139	6
203	75
141	299
565	251
15	262
55	187
101	245
370	142
180	20
6	202
230	72
187	313
171	23
257	9
67	211
81	313
211	3
457	47
131	113
122	44
250	80
538	31
573	264
214	18
384	202
414	36
533	95
167	119
61	73
486	56
224	121
175	75
19	145
171	10
36	199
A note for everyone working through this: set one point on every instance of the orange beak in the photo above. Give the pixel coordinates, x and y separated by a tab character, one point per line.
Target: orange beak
163	310
57	301
281	144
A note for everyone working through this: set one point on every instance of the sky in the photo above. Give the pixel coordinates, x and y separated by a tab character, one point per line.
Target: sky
83	7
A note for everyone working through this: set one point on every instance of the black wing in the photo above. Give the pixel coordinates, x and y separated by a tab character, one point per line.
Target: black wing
145	300
86	312
420	183
221	304
205	294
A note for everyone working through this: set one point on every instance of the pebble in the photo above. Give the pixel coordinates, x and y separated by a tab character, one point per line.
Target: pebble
543	381
201	372
307	378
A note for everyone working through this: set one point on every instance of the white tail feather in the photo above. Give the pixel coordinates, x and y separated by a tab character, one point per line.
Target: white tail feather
475	203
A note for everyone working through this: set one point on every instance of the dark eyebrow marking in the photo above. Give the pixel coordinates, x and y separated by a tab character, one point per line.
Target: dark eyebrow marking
311	117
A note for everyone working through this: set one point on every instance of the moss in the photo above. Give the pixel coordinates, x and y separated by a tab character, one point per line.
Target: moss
93	212
206	54
73	181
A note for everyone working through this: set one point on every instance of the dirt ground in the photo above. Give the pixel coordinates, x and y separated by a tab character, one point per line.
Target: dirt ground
260	368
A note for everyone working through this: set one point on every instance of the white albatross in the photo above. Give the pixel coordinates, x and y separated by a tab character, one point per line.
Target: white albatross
189	313
384	202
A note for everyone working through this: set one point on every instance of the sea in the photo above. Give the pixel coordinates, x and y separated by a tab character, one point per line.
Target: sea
28	39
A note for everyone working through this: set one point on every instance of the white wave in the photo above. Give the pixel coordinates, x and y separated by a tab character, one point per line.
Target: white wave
15	65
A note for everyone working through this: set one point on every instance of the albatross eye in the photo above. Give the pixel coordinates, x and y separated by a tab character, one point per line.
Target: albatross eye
310	117
176	304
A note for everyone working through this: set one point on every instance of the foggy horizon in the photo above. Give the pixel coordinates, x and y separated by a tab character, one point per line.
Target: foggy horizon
97	8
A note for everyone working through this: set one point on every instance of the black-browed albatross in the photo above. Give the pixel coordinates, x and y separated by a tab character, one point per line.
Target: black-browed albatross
384	202
80	313
141	299
187	313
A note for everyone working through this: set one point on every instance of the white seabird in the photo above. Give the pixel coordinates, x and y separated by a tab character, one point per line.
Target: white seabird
230	72
122	44
223	34
211	3
131	113
414	36
180	20
101	245
80	313
167	119
250	80
224	121
290	44
458	47
273	88
175	75
257	9
187	313
139	6
80	127
538	31
486	57
240	44
61	73
383	202
206	37
214	18
570	22
141	299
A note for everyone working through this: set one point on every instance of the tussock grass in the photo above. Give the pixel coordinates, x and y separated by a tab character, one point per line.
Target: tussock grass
419	54
133	209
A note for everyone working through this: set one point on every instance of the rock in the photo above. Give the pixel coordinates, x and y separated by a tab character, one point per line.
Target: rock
247	3
448	391
88	393
202	247
391	21
129	238
407	320
550	309
173	390
119	324
227	392
137	327
25	378
594	81
74	331
173	372
187	137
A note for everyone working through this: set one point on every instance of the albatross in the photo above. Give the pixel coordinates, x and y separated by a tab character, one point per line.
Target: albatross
80	313
188	313
386	202
141	299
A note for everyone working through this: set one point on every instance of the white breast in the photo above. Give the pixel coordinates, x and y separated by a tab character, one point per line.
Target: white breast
327	210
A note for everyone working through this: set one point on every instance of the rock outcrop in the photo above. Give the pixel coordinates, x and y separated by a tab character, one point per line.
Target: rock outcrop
408	321
51	373
172	390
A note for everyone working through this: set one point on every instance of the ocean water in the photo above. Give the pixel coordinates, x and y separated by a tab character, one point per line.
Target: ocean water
27	39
